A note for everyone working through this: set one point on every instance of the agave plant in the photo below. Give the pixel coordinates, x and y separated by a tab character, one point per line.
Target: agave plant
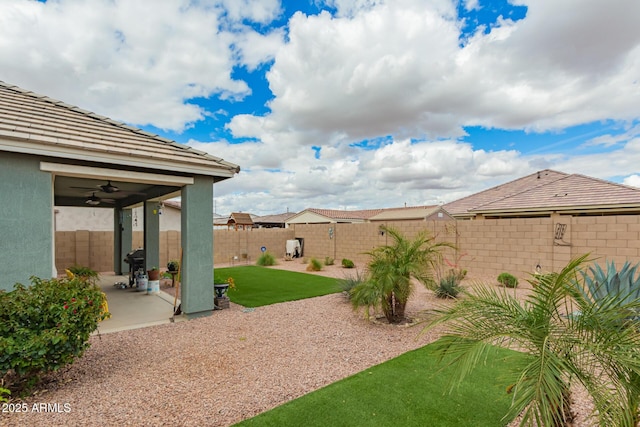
603	286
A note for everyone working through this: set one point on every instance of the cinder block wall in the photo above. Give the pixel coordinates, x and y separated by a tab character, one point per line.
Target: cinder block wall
487	247
231	246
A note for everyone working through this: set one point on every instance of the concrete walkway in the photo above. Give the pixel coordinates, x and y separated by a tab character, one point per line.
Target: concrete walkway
131	309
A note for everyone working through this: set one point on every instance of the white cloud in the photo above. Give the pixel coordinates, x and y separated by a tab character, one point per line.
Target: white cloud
632	180
101	56
390	71
397	68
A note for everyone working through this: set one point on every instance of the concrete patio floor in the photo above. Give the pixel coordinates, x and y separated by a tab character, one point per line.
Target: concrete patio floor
131	309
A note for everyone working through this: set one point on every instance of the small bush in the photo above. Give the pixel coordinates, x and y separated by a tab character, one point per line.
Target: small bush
45	327
508	280
83	273
328	261
348	283
448	287
314	265
347	263
266	259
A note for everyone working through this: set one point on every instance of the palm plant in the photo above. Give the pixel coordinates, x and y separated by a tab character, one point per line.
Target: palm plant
596	345
391	270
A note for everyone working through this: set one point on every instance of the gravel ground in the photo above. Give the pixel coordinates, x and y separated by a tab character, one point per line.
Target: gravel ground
221	369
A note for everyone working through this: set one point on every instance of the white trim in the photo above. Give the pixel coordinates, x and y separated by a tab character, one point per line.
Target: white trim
119	175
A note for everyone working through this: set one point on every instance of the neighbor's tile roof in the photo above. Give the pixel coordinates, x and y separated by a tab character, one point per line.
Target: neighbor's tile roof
277	218
569	192
547	190
467	204
37	124
339	214
414	212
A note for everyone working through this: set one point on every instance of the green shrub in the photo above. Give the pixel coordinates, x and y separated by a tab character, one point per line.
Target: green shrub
46	326
314	265
266	259
84	273
347	263
328	261
350	282
508	280
448	286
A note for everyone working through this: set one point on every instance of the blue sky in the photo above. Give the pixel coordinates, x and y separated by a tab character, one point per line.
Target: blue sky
350	104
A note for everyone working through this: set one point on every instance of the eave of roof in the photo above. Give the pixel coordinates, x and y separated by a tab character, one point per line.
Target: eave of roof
35	124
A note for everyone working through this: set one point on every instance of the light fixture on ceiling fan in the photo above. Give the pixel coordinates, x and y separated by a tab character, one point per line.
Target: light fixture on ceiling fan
93	200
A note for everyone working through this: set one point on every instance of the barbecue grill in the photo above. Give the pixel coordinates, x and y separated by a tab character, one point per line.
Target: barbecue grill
135	259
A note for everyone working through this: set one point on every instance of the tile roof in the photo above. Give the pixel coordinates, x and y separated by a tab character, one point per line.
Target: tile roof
572	192
277	218
547	190
465	205
343	215
37	124
414	212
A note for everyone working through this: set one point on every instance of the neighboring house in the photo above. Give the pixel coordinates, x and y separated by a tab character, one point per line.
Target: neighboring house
330	216
69	218
272	221
548	192
417	213
54	154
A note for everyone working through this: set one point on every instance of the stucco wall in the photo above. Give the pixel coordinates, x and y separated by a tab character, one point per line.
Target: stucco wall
71	218
26	220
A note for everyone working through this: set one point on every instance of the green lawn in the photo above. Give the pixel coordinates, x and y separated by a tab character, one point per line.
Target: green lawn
258	286
410	390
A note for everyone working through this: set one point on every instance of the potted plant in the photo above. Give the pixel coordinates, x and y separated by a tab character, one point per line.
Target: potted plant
173	265
154	273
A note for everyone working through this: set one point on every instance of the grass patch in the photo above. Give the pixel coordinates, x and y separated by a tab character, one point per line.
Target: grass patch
258	286
410	390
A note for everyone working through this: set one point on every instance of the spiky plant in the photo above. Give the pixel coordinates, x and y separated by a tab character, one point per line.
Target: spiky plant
602	285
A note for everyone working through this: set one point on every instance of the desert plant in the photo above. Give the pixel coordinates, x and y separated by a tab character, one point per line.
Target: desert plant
347	263
266	259
448	286
349	282
621	285
391	269
328	261
45	326
507	280
314	265
597	347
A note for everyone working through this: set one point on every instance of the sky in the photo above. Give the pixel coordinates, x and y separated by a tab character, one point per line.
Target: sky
349	104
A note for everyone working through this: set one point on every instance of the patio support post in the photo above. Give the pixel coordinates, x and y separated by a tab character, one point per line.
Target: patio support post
151	235
26	220
123	238
197	244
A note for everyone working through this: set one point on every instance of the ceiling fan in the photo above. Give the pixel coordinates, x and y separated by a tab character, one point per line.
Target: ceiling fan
94	200
108	188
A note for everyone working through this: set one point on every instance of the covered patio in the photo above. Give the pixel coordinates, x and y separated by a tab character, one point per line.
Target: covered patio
54	154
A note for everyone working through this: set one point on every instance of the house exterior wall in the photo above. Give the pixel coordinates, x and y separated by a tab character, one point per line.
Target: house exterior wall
71	218
26	220
487	247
